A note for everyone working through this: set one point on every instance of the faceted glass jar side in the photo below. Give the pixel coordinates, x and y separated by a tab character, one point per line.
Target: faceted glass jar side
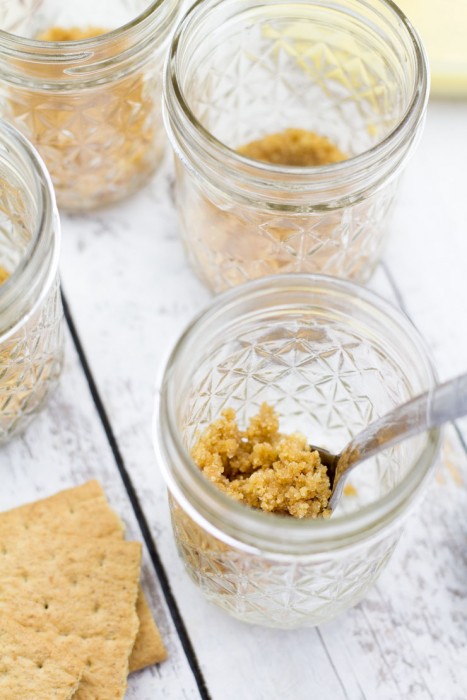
91	106
255	588
240	71
31	361
228	244
31	314
329	357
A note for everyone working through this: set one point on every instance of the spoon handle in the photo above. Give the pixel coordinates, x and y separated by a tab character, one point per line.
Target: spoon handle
444	403
448	402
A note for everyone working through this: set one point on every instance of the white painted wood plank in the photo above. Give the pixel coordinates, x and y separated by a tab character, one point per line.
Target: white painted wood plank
66	446
427	252
131	292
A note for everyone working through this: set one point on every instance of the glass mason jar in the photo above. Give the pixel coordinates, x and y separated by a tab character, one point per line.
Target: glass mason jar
330	357
239	70
31	328
91	106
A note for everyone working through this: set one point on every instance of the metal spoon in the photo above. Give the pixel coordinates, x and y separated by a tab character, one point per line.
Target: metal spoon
444	403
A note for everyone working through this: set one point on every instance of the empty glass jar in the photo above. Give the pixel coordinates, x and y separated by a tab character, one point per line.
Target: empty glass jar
330	357
89	101
31	333
240	70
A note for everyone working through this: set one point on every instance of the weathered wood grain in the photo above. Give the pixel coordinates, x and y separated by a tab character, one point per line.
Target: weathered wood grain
131	292
66	446
427	254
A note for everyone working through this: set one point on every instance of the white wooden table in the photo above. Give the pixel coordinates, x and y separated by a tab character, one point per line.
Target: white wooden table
129	292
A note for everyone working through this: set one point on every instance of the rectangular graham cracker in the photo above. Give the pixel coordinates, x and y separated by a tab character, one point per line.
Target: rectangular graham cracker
149	648
85	509
81	510
36	664
83	589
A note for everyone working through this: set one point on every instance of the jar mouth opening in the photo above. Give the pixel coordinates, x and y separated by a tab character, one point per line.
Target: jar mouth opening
231	158
253	529
29	272
27	46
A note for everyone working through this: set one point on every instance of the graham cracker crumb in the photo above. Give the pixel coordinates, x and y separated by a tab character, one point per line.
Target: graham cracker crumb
297	147
4	274
350	490
71	34
262	467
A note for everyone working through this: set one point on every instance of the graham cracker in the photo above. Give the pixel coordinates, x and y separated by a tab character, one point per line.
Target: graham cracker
83	589
149	648
84	509
35	664
81	510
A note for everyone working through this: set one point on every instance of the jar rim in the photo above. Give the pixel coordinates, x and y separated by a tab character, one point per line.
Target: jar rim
251	529
38	266
139	21
355	167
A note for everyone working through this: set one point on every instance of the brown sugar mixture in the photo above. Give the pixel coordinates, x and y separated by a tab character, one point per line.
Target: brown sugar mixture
262	467
100	142
230	243
4	275
296	147
72	34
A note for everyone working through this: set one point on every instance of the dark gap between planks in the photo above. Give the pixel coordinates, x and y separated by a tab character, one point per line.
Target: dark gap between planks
138	511
141	518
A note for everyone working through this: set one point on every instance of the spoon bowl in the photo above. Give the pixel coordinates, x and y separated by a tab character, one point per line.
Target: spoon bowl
444	403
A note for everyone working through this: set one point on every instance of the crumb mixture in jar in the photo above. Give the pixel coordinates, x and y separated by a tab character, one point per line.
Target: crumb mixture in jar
100	140
229	243
112	124
72	34
297	147
4	275
262	467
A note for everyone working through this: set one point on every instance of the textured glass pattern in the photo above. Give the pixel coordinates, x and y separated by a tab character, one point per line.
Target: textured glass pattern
323	72
16	17
31	333
324	379
326	69
29	17
287	594
16	218
93	114
30	363
228	243
98	144
328	374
